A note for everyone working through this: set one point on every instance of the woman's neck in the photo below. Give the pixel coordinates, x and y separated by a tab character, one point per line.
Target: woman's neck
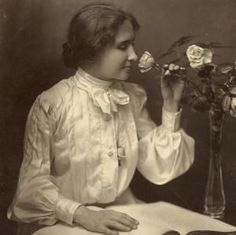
93	70
94	80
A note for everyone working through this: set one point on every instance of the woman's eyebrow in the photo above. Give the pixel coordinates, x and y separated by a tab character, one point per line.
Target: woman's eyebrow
126	41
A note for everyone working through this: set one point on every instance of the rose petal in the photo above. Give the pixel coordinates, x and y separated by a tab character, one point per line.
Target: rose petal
226	103
233	90
195	65
233	107
145	70
208	54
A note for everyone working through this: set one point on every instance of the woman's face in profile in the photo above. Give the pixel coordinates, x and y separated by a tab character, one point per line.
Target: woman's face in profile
115	60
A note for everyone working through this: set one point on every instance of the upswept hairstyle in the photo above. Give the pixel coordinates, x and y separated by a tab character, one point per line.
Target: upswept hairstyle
92	29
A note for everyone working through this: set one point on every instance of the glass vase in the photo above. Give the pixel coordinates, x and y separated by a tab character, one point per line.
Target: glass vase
214	203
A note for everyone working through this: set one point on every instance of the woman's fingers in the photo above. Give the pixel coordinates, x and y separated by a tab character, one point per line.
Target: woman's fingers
125	219
172	69
128	222
120	222
118	226
108	231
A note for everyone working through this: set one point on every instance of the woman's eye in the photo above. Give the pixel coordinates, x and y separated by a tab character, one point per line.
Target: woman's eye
123	46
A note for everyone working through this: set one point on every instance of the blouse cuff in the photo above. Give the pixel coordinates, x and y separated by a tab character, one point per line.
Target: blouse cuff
65	210
171	121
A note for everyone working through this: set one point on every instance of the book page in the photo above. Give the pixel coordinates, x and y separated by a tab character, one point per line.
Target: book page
154	218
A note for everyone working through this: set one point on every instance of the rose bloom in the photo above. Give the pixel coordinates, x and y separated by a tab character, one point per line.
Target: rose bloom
233	107
233	103
229	103
146	62
198	56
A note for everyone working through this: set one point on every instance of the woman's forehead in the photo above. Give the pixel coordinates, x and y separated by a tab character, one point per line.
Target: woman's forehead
125	32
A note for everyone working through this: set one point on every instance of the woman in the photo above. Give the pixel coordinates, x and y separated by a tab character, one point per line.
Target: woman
87	134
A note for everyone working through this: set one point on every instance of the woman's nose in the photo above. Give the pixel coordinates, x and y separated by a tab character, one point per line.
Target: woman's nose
132	54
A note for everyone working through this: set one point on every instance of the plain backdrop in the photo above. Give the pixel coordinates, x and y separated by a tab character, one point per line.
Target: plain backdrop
31	36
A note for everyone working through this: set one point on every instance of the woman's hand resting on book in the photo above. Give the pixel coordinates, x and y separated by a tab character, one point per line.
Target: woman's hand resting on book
108	222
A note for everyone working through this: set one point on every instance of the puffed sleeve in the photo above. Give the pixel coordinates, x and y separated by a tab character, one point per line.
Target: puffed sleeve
165	151
38	198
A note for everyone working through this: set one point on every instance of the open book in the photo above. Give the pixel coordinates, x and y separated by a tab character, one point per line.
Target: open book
154	218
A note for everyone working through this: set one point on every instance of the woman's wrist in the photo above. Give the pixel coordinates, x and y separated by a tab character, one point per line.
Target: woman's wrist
171	120
80	213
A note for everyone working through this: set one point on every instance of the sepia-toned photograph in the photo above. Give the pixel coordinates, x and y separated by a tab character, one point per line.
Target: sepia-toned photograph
118	117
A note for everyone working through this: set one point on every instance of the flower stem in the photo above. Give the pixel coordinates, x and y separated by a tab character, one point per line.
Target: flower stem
194	85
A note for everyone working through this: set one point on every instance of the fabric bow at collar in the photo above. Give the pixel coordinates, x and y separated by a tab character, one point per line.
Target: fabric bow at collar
103	93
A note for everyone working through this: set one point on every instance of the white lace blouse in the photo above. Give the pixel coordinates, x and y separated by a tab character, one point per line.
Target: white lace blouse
84	139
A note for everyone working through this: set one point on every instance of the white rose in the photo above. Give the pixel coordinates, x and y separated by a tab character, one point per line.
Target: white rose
233	107
146	62
233	103
198	56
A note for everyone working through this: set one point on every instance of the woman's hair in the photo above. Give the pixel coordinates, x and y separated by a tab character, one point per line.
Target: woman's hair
92	29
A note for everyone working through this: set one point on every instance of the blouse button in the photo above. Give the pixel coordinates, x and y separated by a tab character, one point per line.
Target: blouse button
110	154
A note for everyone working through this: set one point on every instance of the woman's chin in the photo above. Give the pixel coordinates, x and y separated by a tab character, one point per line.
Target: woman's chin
125	75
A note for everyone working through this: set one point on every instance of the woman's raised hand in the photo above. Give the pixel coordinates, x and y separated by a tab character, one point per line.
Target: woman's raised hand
172	86
104	221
